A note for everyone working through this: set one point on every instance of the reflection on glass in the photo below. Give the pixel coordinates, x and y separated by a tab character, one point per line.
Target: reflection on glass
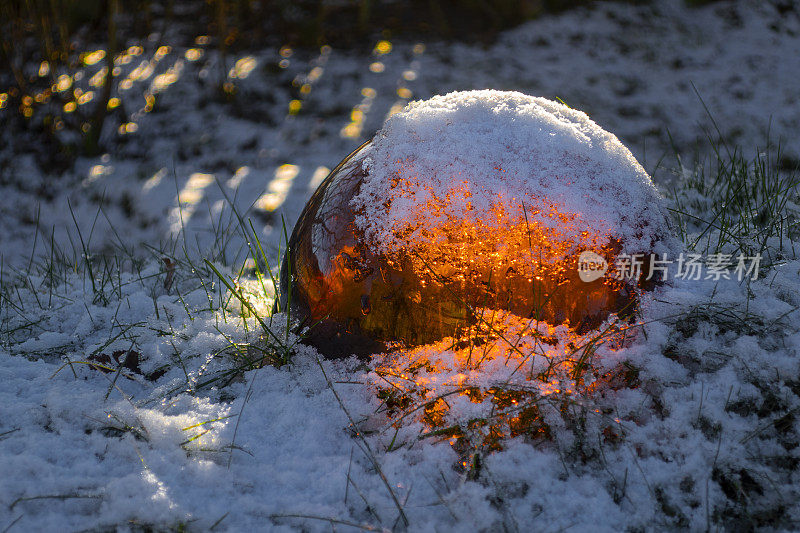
358	300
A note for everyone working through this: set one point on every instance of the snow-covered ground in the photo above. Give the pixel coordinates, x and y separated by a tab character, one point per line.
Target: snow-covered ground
702	433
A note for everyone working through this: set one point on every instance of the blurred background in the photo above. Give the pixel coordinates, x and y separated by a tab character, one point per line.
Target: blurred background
144	121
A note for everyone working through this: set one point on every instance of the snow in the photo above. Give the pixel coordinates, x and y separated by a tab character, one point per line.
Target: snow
707	439
479	151
97	459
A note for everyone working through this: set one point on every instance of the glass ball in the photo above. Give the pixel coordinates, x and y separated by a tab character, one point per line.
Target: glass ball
452	262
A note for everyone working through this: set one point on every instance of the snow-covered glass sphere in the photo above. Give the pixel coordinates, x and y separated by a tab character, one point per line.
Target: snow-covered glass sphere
465	205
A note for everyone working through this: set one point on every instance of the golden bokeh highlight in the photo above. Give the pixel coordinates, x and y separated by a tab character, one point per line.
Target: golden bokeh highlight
93	57
382	47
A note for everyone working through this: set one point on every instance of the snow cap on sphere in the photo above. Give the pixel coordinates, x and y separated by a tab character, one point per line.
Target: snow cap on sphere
504	148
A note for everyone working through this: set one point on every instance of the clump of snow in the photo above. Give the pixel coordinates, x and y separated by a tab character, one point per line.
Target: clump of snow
483	151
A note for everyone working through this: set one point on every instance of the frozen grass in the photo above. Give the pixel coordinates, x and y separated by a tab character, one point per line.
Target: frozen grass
736	205
159	393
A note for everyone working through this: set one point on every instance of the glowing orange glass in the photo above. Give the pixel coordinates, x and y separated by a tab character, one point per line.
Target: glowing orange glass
356	299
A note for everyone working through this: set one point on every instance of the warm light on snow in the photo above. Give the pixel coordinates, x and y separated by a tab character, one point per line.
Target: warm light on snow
278	188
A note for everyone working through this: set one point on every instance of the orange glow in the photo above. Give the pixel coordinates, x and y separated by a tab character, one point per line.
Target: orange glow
448	260
515	371
472	311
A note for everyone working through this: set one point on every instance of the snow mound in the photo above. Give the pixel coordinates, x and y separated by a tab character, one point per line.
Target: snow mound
480	152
